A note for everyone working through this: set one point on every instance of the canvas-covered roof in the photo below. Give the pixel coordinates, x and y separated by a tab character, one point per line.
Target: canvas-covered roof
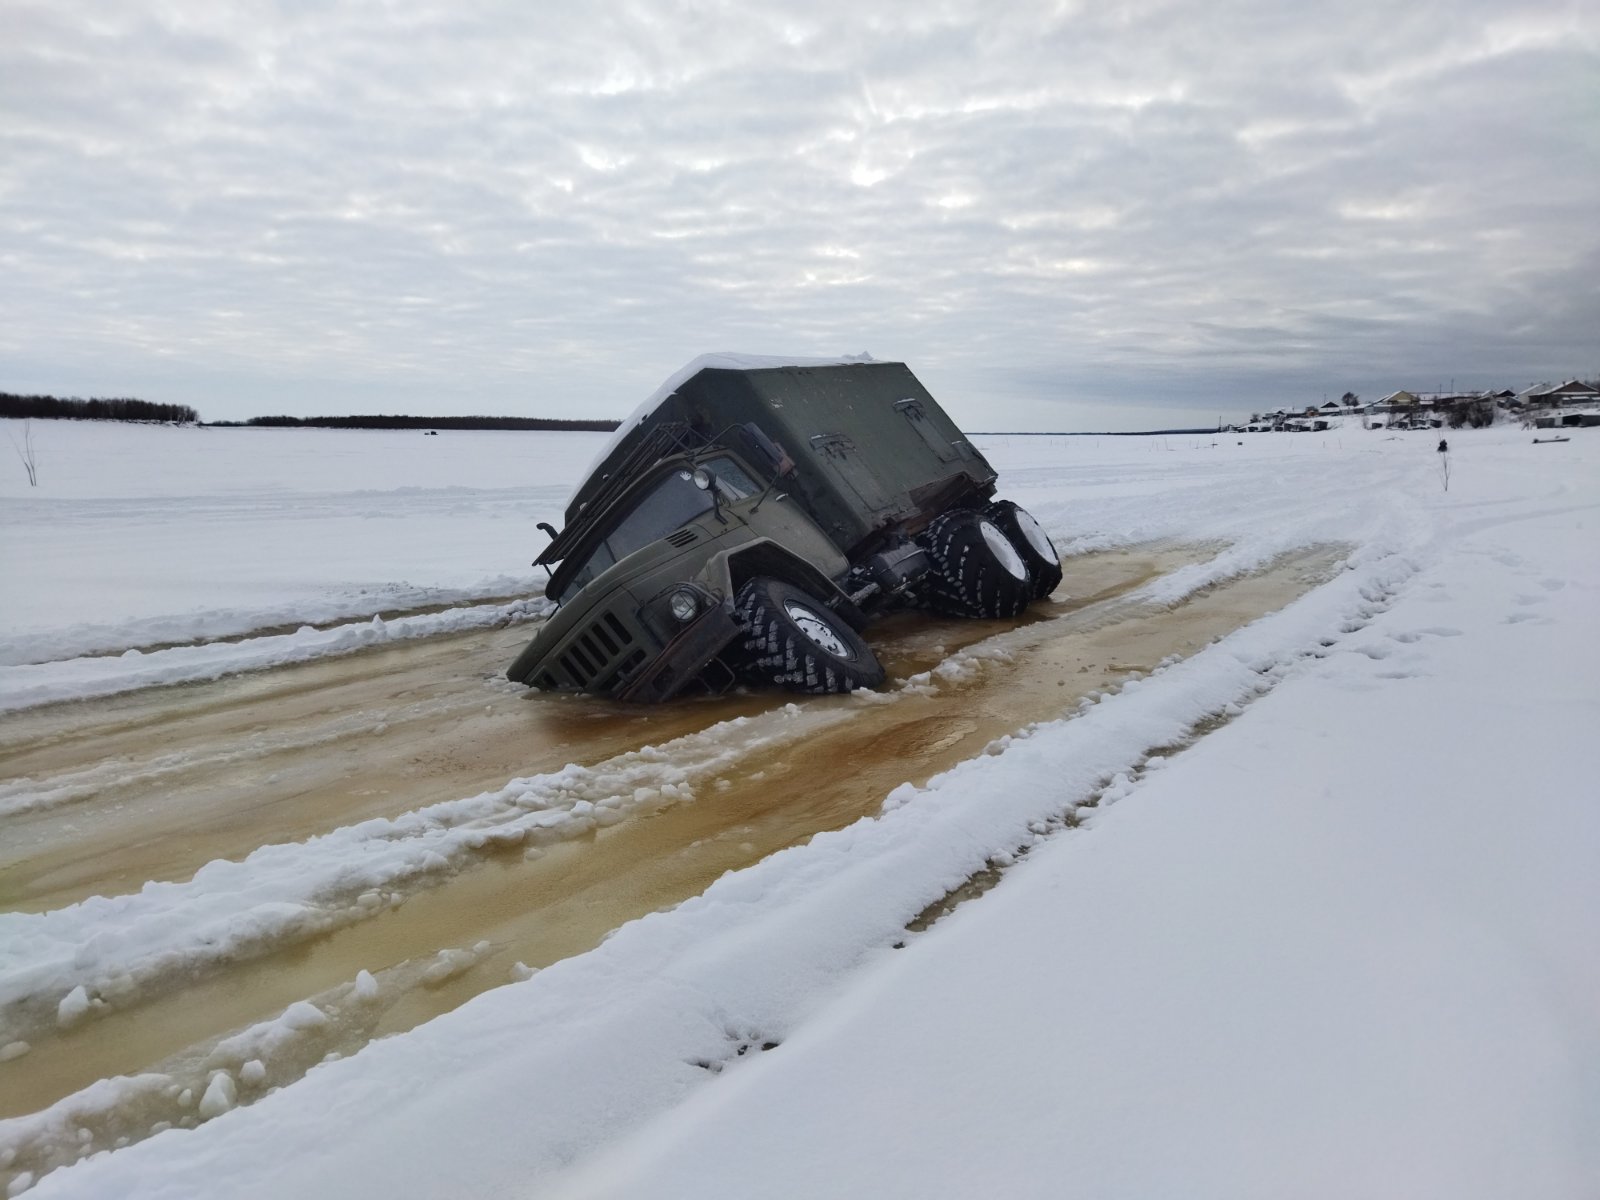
726	360
864	439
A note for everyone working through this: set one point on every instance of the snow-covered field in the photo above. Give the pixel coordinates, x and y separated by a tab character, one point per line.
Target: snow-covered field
1312	911
146	535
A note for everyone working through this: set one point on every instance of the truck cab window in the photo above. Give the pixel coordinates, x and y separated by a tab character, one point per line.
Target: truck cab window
732	481
672	503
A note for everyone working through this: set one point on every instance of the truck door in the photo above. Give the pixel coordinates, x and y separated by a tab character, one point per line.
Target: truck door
843	462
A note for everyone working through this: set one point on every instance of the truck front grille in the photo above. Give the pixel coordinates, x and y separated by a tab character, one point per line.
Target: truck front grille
600	655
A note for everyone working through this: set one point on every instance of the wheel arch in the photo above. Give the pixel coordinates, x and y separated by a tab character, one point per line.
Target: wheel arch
767	558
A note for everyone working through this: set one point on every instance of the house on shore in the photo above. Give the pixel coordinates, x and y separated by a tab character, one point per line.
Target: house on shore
1573	403
1546	406
1561	395
1403	410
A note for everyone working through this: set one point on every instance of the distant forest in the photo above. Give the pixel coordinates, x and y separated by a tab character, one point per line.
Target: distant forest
399	422
73	409
128	409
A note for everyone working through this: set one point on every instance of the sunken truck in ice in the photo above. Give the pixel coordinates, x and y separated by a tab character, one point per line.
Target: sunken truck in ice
747	523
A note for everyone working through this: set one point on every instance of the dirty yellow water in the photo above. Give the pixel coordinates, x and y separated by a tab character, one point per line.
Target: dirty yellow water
156	784
847	757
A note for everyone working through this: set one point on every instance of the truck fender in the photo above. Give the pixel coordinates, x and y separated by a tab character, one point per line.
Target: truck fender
769	558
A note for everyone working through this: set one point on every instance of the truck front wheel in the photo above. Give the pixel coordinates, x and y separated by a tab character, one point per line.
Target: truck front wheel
977	572
798	643
1031	541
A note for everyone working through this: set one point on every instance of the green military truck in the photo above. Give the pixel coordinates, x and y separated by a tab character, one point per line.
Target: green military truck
748	521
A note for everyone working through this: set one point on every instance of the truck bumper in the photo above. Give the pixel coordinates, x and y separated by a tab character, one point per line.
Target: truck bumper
685	656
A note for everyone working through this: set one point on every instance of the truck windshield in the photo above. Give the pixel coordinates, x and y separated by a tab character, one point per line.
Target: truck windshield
672	503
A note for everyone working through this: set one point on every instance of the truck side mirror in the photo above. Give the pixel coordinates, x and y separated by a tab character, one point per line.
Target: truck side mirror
768	451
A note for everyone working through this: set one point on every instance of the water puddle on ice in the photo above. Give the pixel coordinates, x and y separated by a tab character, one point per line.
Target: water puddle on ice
846	758
154	784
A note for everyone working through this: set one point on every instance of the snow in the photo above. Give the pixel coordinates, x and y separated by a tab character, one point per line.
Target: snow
74	1007
27	684
221	1095
1343	944
366	986
141	536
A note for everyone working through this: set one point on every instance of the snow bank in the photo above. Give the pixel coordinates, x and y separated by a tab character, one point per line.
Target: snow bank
644	1016
140	536
1340	946
1344	945
81	678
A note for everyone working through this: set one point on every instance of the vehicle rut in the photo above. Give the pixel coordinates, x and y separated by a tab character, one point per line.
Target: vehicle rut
108	794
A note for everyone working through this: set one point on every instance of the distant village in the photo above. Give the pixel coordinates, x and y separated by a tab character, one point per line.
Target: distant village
1543	406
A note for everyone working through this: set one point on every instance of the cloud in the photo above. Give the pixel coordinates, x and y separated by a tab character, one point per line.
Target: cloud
1059	211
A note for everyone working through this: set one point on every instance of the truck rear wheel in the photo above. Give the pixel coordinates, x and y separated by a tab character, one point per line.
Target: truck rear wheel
1031	541
795	641
977	572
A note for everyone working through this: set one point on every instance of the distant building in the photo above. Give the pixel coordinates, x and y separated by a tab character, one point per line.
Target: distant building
1559	395
1405	409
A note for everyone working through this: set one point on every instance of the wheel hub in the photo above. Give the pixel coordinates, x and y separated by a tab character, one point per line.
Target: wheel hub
1002	549
1037	537
818	629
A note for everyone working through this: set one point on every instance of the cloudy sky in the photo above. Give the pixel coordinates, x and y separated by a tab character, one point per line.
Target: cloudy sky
1061	215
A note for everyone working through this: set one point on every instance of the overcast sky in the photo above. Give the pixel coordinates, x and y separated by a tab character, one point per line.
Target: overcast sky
1061	215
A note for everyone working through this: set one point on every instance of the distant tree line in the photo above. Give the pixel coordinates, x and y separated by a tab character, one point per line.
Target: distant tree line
125	408
118	409
402	422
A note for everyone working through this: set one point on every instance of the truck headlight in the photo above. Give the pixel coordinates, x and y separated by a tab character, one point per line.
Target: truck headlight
684	604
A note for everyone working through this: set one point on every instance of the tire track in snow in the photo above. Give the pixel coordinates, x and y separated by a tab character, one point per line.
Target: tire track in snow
777	800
